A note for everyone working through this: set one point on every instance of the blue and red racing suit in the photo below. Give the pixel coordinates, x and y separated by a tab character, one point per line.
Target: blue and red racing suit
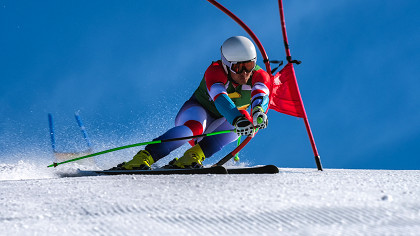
213	107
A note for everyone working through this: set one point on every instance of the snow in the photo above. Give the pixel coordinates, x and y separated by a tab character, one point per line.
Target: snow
35	200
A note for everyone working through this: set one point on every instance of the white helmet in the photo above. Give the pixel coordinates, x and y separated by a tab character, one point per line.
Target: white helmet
237	49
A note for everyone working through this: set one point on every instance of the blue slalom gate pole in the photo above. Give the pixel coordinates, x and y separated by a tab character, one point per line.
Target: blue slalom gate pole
83	129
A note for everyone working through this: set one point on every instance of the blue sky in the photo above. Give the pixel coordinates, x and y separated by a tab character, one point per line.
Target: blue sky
128	66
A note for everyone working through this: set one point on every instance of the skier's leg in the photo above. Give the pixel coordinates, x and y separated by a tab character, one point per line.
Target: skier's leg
191	120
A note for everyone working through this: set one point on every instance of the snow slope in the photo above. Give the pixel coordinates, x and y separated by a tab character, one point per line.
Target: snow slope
35	200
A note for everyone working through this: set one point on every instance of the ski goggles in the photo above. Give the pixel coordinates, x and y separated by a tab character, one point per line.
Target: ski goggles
240	66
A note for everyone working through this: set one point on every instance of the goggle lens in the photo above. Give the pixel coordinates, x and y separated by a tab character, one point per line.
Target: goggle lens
239	67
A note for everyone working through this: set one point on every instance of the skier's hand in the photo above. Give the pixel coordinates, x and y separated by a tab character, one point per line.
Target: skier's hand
259	118
243	126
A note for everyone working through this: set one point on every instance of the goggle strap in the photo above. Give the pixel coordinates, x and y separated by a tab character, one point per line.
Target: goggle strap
226	62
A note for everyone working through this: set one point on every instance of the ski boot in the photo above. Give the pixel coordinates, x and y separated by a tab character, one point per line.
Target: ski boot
192	158
141	161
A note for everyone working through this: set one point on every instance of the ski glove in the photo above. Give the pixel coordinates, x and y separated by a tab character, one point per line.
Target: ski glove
259	118
243	126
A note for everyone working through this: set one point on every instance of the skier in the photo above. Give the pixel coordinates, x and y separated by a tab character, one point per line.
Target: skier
229	85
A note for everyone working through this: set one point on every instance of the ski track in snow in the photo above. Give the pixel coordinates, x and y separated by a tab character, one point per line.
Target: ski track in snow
293	202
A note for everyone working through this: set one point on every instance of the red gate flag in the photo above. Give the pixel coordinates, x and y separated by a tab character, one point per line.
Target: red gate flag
285	97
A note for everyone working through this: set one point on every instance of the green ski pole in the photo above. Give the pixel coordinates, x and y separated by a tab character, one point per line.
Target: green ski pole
141	144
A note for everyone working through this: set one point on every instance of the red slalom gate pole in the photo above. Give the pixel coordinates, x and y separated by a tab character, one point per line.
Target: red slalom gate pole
283	30
268	68
289	59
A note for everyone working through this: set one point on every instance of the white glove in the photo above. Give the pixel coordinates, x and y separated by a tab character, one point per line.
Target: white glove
259	118
243	126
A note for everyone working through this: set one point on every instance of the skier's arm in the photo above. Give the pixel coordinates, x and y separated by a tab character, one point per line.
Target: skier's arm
223	103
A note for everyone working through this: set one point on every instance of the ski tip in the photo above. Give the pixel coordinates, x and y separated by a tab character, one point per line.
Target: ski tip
274	169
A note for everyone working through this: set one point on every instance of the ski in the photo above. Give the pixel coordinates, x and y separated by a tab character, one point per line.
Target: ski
266	169
162	171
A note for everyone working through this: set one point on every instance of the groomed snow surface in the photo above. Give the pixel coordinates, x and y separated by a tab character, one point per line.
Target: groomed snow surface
35	200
